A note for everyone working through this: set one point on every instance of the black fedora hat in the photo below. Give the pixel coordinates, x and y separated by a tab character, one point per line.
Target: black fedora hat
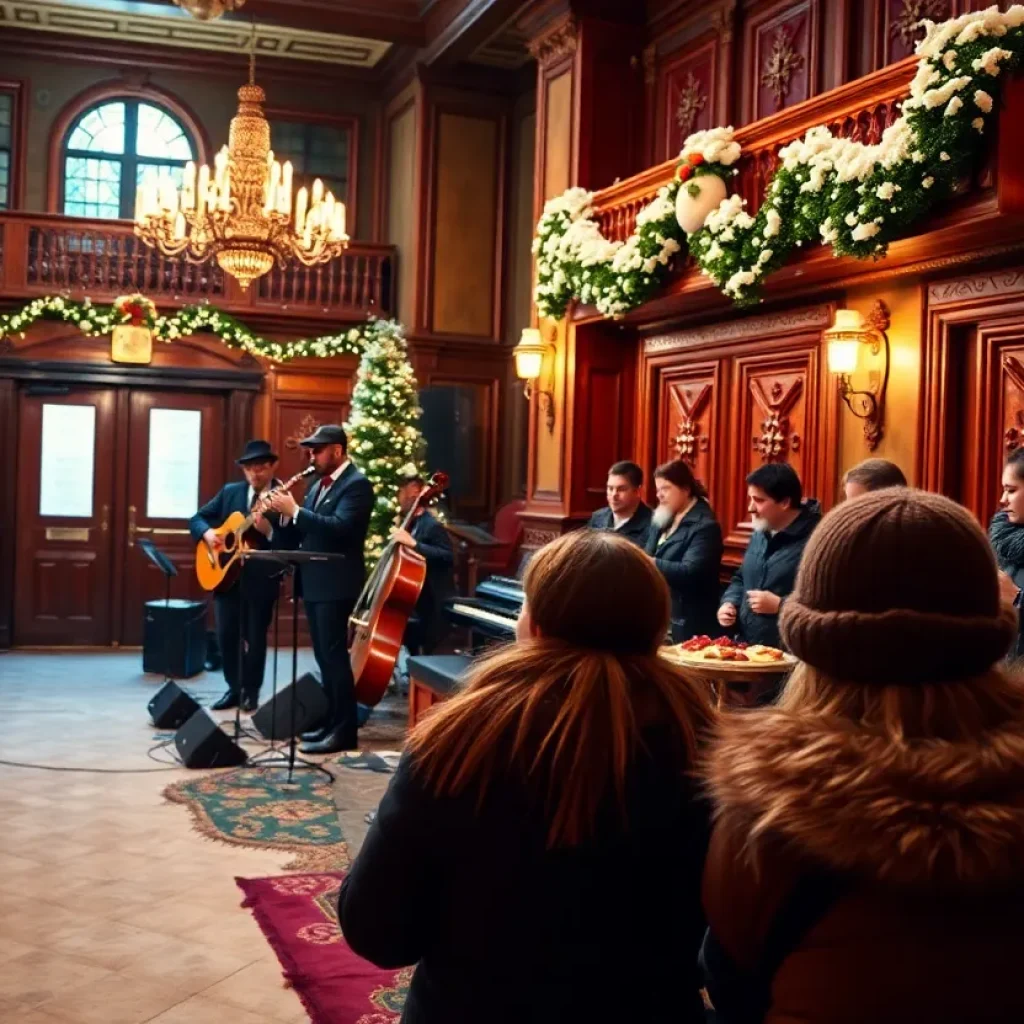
328	433
257	451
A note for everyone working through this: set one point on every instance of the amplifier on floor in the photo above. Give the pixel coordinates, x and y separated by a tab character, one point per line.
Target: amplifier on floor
202	743
273	718
171	707
174	638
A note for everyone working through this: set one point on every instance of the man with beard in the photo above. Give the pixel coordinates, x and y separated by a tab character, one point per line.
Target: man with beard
626	514
783	522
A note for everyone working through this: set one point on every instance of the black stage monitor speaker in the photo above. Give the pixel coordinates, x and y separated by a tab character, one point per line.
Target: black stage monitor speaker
273	719
171	707
174	638
202	744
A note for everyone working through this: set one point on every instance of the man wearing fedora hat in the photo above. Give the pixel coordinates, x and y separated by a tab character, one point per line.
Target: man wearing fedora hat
244	611
333	519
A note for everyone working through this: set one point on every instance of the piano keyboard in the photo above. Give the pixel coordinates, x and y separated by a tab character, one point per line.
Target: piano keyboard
472	612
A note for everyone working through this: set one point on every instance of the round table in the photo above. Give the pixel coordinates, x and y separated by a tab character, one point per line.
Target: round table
735	684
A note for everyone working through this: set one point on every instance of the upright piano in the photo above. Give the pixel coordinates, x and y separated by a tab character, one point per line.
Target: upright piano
491	613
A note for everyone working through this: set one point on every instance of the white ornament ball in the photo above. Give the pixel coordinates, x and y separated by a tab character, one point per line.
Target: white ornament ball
696	198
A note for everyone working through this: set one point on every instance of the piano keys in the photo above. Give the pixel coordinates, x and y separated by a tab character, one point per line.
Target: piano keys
491	613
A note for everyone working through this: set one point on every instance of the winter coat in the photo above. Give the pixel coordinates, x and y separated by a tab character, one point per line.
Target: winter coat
635	528
770	563
690	560
1007	540
505	930
918	849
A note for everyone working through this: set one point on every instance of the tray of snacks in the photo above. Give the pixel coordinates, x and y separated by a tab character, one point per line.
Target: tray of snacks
727	659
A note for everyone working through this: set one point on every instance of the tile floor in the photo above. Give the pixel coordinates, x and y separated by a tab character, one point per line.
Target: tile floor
112	910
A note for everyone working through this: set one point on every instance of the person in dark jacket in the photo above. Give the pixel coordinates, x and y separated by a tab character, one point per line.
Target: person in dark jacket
867	861
333	519
872	475
685	542
538	852
1006	534
783	522
243	611
625	512
427	537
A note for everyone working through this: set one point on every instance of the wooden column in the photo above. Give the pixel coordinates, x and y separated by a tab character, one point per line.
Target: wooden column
590	131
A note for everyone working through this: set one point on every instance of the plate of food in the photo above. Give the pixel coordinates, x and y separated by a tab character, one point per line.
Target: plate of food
726	656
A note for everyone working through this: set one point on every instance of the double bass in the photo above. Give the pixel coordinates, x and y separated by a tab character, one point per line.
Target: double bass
382	612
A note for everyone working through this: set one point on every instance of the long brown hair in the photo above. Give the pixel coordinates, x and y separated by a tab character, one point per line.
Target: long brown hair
566	710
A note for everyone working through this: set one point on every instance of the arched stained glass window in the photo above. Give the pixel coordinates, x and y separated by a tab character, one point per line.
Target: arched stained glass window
110	148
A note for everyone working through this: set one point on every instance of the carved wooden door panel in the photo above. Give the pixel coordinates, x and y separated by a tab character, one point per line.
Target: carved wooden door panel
689	417
775	416
65	479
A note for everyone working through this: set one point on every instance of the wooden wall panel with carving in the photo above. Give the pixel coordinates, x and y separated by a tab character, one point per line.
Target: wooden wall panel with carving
686	90
689	408
780	65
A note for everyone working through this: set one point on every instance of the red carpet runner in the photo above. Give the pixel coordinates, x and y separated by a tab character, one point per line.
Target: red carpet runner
298	915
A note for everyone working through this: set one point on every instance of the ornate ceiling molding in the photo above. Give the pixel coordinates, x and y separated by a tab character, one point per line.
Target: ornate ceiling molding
979	286
556	44
175	28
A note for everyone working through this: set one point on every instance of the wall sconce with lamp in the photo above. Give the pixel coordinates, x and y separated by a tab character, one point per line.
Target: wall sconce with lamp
849	334
533	356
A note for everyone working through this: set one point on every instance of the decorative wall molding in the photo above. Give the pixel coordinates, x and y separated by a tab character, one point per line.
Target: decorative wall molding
537	537
557	44
807	319
997	282
173	27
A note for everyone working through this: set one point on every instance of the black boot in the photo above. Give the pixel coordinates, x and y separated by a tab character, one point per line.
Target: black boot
339	739
316	735
250	701
226	703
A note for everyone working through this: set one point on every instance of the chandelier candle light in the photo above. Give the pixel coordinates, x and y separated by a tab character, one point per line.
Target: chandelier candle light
242	213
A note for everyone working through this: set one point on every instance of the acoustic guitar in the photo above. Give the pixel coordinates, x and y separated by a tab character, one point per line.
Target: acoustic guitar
217	570
382	612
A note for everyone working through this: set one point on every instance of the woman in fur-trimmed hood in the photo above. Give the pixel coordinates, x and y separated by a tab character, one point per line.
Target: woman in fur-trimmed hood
867	862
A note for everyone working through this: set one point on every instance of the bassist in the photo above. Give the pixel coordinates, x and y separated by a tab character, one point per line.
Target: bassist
245	610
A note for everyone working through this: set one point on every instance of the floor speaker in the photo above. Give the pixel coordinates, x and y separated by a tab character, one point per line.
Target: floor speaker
174	638
171	707
202	743
273	719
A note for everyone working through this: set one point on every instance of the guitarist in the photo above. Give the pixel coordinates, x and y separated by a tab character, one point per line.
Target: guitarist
245	610
334	518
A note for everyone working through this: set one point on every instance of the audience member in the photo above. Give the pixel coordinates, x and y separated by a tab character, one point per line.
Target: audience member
685	542
626	513
539	850
1006	533
872	475
867	862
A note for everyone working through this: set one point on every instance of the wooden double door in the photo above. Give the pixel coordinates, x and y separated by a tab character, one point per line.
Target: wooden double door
98	469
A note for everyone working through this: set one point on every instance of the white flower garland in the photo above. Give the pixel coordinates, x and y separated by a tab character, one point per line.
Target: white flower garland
854	197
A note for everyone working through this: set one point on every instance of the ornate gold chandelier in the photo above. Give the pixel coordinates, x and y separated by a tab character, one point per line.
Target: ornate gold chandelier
242	212
207	10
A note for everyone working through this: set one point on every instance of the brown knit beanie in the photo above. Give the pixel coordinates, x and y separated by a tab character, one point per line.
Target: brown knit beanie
898	586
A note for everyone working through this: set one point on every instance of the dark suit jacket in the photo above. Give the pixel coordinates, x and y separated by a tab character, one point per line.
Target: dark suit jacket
689	561
635	528
260	578
434	544
338	525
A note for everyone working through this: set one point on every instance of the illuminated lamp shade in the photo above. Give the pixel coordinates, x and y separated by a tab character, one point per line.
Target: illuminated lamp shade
844	338
842	355
529	354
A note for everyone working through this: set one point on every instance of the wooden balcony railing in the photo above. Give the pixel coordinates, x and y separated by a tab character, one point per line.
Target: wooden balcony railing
861	110
48	254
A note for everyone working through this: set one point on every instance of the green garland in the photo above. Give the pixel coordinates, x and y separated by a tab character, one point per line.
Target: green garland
97	321
855	197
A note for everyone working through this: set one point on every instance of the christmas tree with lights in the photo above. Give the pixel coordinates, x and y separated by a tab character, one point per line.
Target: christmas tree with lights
383	429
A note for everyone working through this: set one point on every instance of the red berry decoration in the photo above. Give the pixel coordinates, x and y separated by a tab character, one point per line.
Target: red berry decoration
685	171
696	159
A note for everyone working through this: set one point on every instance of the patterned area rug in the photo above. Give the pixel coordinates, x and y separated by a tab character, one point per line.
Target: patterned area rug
259	808
298	915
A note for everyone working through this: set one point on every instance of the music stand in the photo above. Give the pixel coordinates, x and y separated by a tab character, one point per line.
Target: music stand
168	568
290	560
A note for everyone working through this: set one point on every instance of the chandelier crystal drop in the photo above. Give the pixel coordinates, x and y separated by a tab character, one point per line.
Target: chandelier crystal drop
241	213
207	10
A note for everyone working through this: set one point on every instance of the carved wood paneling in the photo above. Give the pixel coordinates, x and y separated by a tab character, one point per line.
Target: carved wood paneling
689	411
686	89
896	29
780	60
